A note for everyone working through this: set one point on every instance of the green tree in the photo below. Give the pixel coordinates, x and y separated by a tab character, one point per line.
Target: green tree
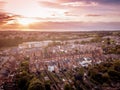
47	86
114	75
67	87
24	66
36	84
22	80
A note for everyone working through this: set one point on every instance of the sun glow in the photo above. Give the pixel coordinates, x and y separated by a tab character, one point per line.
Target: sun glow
26	21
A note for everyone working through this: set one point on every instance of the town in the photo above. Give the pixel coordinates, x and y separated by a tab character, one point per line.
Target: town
58	60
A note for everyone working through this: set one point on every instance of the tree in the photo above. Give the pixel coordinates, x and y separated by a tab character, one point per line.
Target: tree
114	75
22	80
24	66
67	87
117	66
108	41
36	84
47	86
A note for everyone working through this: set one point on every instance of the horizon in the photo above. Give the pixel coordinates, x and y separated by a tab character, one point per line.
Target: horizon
36	30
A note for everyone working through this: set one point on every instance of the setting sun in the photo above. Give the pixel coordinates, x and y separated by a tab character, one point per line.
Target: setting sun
26	21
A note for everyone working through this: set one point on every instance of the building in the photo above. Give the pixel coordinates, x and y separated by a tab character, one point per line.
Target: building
34	44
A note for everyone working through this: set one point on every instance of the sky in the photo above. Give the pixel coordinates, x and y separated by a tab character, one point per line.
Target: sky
73	15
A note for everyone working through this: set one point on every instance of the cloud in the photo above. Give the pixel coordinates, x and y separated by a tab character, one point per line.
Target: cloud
93	15
68	26
66	4
64	14
1	5
76	26
86	5
82	3
50	4
88	1
67	13
107	1
5	17
65	1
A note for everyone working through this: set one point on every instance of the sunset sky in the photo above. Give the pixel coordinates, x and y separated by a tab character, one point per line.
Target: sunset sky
60	14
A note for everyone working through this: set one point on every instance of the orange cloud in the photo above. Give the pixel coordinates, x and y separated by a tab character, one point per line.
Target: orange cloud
1	5
7	17
93	15
63	5
50	4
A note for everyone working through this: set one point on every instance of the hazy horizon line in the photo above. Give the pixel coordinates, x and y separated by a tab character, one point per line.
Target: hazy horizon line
55	30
